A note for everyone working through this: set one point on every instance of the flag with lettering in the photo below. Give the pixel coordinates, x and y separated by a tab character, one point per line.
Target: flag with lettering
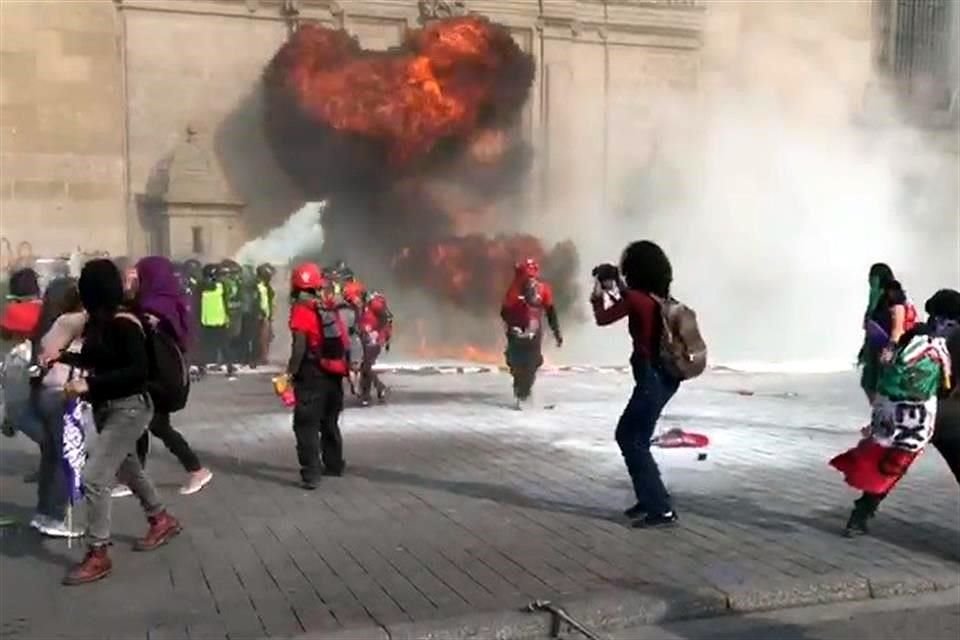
74	447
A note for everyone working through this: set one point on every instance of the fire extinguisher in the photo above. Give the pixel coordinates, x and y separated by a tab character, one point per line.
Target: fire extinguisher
284	390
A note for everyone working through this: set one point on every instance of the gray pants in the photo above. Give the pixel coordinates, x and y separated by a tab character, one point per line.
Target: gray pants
114	458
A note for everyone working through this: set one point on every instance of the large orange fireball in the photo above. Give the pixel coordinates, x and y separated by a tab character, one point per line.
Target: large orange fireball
373	131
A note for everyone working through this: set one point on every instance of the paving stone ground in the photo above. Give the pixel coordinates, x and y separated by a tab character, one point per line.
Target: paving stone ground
455	504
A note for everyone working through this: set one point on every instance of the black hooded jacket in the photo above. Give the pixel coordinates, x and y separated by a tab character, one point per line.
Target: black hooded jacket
114	346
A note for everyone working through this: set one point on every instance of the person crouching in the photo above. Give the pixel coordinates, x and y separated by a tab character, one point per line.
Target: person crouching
325	350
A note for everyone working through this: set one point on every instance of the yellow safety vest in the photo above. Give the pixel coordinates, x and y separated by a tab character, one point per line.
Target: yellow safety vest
264	295
213	308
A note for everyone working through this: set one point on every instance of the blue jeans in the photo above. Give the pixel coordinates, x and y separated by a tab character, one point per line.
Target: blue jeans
52	492
653	390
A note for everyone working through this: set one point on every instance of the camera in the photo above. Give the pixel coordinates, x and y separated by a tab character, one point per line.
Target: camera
606	271
607	275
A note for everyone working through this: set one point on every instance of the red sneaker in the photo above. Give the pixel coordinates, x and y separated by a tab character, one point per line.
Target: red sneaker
163	526
96	565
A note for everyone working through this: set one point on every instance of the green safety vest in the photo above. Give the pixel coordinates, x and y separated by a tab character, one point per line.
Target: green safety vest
263	293
213	307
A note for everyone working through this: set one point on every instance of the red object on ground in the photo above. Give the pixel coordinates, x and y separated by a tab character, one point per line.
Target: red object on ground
677	438
872	467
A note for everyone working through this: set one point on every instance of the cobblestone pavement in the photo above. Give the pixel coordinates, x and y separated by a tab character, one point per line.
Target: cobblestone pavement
453	503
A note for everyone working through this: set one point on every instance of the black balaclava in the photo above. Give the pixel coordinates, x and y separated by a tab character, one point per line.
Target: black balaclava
101	287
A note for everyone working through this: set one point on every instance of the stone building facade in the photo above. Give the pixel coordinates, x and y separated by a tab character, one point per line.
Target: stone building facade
97	97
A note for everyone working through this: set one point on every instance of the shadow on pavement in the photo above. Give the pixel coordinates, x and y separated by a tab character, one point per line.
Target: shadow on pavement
482	490
20	540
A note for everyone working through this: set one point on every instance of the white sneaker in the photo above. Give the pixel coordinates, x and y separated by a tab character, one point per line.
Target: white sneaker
121	491
58	529
39	521
197	480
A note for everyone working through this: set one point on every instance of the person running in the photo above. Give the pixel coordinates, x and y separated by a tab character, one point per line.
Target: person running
114	354
905	407
61	324
160	302
527	303
648	274
888	316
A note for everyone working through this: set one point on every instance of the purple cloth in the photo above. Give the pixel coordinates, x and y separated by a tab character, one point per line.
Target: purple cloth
159	293
877	338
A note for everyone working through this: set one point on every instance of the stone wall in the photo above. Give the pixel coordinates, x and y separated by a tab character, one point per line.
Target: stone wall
61	129
97	94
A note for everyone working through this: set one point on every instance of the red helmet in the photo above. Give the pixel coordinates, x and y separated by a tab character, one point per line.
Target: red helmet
305	277
376	302
529	268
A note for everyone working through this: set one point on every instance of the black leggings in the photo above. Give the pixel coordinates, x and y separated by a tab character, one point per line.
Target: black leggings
174	441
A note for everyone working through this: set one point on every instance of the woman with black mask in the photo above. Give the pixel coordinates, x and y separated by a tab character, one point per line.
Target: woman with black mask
648	274
115	355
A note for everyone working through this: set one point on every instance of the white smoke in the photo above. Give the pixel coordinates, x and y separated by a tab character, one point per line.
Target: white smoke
770	194
301	234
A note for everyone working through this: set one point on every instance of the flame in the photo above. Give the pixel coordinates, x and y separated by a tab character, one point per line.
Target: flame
439	85
490	355
412	148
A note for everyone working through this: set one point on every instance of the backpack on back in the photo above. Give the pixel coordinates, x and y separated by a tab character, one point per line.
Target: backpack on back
683	351
168	377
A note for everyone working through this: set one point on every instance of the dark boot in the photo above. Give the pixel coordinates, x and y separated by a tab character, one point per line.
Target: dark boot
95	566
163	526
864	508
636	511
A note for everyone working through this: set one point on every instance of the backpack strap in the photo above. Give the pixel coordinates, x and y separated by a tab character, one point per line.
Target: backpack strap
132	318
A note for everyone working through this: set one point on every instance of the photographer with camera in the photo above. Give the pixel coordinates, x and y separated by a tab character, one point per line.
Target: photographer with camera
640	295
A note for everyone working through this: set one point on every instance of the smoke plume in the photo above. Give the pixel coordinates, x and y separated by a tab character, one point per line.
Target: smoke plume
774	185
414	149
301	234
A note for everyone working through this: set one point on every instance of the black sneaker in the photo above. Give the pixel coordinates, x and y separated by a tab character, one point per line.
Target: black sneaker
655	520
309	485
636	511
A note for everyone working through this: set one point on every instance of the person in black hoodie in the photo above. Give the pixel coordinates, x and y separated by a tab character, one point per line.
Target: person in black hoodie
944	311
115	355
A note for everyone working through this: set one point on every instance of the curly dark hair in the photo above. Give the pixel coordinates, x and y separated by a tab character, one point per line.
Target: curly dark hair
945	303
646	267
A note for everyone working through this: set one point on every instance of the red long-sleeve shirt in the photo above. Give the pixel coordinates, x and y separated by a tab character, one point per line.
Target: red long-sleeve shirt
643	319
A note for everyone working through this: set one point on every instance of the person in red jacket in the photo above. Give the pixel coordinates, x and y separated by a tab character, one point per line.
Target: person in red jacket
376	330
528	300
325	350
647	275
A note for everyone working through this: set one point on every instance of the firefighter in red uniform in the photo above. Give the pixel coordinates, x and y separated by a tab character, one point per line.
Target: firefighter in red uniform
528	301
326	349
376	329
353	290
